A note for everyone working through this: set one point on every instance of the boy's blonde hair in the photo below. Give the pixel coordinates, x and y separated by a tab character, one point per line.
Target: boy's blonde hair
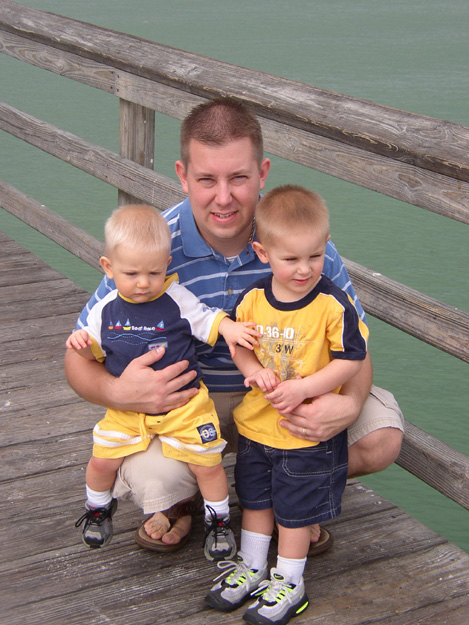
288	209
137	225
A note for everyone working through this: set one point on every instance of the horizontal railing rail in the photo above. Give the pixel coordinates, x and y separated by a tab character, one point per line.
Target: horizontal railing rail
418	160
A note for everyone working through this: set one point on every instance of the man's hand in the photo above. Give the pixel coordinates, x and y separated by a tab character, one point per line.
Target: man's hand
139	388
144	390
325	417
329	414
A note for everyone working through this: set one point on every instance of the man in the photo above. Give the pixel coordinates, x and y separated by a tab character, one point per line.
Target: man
223	170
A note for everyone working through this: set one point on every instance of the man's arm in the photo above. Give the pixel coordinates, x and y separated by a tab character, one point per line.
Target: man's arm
139	388
329	414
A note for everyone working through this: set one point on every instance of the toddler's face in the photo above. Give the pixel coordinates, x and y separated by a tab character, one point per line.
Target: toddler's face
297	261
139	276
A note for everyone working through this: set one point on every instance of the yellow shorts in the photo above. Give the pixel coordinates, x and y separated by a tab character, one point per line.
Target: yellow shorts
190	433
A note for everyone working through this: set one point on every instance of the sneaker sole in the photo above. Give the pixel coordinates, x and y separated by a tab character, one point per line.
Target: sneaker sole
106	542
220	604
219	557
253	618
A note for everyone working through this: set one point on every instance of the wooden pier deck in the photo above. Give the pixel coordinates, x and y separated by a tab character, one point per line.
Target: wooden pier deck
385	567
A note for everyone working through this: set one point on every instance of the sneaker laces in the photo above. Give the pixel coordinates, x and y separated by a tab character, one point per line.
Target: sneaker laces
272	591
216	525
235	573
95	516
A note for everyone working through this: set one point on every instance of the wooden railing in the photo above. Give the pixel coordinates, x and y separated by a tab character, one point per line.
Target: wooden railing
416	159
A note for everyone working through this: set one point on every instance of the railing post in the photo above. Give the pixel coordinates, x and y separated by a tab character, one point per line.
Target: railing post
136	140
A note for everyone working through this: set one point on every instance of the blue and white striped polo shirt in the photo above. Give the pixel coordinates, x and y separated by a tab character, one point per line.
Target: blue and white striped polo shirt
218	282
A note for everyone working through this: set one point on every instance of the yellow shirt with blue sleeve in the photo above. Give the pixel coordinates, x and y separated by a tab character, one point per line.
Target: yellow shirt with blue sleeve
298	338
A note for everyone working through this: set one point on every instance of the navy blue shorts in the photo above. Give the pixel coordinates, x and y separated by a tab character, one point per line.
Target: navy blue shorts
303	486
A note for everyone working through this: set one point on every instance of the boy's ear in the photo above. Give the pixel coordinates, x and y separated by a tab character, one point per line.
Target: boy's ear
260	251
106	265
170	259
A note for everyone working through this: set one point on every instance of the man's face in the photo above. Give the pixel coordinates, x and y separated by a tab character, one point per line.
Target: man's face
223	183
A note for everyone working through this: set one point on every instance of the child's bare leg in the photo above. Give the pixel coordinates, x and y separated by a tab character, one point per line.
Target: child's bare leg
293	542
259	521
212	481
101	473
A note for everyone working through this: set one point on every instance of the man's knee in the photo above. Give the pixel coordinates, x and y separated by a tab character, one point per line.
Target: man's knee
375	451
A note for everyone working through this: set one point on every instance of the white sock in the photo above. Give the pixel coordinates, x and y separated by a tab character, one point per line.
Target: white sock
291	569
98	499
221	508
255	548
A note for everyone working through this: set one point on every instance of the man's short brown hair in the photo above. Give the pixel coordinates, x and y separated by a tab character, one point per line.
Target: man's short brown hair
218	122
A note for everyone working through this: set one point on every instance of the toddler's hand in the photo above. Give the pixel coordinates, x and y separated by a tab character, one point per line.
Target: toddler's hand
80	339
287	396
263	378
242	333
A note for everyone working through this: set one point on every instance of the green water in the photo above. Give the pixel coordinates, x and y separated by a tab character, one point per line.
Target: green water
409	55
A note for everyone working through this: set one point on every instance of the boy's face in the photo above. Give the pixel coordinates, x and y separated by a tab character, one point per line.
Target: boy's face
297	261
223	183
138	276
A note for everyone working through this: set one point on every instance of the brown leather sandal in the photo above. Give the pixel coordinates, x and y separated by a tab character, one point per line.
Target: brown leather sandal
186	508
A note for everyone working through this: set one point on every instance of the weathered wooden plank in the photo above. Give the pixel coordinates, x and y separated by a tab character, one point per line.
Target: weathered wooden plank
54	288
36	273
434	144
52	225
136	139
49	409
158	190
27	374
18	308
11	251
452	481
411	311
449	612
371	595
63	63
23	459
181	582
37	347
58	324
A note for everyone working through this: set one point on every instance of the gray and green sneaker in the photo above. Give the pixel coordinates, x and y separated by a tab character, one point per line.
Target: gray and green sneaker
277	601
97	530
219	541
238	584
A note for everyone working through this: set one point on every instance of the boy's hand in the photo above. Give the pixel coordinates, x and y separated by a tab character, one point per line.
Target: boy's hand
242	333
287	396
80	339
263	378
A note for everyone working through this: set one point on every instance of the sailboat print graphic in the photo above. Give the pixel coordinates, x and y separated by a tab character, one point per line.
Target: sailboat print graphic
127	325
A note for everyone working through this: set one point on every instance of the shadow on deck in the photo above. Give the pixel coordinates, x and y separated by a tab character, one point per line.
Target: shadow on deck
385	567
